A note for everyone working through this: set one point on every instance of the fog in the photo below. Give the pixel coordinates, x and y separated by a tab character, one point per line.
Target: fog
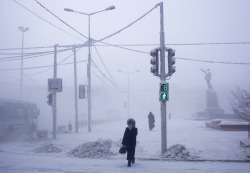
185	22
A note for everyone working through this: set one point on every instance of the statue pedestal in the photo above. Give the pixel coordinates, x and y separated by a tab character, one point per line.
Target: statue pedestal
212	110
212	100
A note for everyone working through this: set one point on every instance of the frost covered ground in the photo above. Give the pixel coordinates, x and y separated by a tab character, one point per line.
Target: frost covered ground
218	147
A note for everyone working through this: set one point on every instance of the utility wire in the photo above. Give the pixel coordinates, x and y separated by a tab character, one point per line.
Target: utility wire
37	67
30	53
96	67
106	83
57	64
178	44
106	67
111	35
187	59
46	20
215	62
101	80
129	25
41	47
60	19
28	56
142	45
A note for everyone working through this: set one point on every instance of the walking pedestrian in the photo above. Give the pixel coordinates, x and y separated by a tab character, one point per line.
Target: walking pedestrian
151	120
129	140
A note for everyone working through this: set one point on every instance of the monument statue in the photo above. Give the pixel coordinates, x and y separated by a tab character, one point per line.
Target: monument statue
208	77
213	109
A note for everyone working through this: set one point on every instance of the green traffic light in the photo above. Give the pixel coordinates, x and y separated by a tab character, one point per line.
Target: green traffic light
164	96
164	90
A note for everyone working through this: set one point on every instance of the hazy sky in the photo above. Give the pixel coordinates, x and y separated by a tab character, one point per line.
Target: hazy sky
186	21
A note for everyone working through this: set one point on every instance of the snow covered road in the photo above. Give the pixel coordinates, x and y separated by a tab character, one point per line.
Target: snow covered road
20	163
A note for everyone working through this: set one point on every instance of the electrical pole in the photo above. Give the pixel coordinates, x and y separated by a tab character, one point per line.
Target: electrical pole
54	93
89	83
162	77
76	101
128	93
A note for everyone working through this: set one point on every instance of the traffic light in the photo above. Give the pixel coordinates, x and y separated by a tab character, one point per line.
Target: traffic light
155	62
171	61
164	88
49	99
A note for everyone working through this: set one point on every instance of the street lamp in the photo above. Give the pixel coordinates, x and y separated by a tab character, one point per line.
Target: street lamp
89	59
128	74
23	30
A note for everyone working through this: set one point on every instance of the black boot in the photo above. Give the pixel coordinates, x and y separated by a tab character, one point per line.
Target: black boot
129	163
133	161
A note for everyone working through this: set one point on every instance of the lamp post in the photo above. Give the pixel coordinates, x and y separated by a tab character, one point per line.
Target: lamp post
89	59
23	30
128	74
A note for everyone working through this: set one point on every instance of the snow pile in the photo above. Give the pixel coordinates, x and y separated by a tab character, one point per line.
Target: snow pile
47	148
98	149
178	151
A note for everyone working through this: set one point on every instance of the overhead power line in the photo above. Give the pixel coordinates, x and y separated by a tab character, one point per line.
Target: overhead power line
109	36
58	64
60	19
19	48
129	25
46	20
30	55
142	45
177	44
215	62
37	67
106	67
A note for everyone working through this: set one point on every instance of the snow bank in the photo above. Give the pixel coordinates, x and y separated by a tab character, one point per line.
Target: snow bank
98	149
47	148
178	151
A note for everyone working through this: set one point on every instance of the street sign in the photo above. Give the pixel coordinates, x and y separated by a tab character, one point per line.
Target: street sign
55	84
164	94
81	91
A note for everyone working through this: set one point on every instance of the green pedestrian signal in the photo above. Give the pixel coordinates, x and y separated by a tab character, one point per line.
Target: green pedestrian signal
164	88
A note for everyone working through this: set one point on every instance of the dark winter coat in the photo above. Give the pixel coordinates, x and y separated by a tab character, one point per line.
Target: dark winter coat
129	139
151	121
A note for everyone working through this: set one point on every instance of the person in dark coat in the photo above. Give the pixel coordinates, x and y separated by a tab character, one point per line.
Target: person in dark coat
151	120
129	140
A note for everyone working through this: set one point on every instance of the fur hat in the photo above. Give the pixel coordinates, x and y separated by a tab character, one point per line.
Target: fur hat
131	121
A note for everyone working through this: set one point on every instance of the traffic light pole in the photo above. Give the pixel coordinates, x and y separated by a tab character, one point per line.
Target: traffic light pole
162	77
54	93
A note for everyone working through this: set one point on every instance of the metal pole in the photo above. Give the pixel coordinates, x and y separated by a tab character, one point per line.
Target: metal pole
163	104
21	77
248	130
54	93
89	83
76	101
128	93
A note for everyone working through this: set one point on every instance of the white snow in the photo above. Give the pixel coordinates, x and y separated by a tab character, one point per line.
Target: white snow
201	142
47	148
98	149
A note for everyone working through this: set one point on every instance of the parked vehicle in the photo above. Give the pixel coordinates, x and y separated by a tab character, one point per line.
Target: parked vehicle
17	117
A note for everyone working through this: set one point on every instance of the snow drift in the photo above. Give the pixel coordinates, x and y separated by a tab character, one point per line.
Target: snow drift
98	149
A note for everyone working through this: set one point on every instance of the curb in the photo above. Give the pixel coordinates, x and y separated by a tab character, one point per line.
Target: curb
193	160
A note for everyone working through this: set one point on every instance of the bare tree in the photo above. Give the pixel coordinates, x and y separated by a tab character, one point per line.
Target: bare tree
240	103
